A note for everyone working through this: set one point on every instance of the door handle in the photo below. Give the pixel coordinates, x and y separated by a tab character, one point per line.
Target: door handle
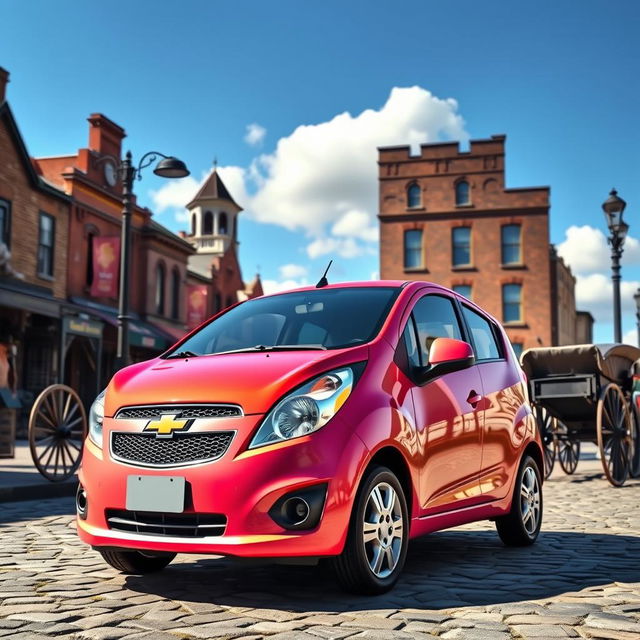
474	399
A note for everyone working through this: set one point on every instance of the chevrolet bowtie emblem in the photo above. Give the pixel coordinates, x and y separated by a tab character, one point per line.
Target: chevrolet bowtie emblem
167	424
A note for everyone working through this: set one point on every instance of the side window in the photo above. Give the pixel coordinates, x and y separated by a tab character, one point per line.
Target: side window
411	344
483	336
435	317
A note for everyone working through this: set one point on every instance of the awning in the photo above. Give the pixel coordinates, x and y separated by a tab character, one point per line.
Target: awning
141	334
21	295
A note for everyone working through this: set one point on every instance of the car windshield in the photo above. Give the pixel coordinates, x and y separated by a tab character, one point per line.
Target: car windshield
316	319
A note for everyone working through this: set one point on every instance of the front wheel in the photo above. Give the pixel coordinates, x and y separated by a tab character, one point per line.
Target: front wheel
136	562
378	536
521	526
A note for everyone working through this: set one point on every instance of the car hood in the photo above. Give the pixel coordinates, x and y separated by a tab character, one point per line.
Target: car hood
255	381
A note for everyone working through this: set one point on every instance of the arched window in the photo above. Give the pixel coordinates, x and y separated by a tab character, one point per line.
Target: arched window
160	282
175	293
207	224
414	196
462	192
222	224
193	224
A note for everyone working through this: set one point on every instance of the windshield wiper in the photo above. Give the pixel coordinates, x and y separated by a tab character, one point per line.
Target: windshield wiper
183	354
275	347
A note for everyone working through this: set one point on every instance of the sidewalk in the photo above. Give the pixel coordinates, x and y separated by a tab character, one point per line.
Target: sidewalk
20	480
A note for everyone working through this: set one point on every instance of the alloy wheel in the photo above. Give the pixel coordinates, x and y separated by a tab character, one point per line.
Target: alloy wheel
530	500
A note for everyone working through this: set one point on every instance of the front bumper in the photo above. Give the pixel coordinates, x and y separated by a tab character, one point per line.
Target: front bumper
242	485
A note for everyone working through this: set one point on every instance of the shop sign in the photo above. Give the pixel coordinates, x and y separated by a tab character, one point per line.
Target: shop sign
106	256
82	327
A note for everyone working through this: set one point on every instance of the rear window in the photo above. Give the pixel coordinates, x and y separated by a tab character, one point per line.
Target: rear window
330	318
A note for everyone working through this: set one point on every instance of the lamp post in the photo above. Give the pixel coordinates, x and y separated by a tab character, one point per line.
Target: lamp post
636	297
168	167
613	208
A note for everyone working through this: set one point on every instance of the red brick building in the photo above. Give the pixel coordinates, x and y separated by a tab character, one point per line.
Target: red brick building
447	216
34	217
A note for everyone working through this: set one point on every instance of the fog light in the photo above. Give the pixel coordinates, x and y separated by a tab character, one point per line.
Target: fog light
82	504
296	509
301	508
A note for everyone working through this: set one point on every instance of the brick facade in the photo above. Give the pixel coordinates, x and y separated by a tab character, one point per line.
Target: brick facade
433	178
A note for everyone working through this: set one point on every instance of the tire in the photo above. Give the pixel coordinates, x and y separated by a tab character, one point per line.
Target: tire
518	528
380	502
136	562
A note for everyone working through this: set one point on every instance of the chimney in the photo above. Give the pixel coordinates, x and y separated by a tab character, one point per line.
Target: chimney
4	80
105	136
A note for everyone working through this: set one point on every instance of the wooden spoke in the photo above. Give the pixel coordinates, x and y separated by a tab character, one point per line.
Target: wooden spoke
547	427
613	427
57	426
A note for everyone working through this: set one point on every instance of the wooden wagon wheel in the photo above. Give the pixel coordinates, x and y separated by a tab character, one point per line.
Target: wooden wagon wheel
57	428
568	449
634	469
546	426
614	434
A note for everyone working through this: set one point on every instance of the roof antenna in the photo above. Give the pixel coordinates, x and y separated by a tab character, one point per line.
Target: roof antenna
323	282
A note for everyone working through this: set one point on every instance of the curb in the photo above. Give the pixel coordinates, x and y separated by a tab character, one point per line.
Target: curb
38	491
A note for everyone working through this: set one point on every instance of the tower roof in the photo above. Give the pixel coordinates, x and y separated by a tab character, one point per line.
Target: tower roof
213	189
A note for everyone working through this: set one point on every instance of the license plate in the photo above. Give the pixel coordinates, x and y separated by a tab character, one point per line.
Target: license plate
155	493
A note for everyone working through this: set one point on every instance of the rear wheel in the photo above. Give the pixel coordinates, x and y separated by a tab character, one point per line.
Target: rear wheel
376	545
521	526
136	562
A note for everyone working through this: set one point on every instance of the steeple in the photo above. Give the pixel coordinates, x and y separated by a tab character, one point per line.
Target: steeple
213	221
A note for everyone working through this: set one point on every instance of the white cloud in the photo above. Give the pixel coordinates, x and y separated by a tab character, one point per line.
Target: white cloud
322	179
585	250
631	337
594	293
275	286
255	134
292	271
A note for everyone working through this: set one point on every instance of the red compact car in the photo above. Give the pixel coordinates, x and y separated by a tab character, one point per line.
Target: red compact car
329	422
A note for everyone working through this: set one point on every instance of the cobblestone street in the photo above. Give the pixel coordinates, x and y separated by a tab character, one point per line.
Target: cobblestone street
582	579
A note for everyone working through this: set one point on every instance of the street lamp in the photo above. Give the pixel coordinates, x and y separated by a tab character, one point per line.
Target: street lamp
168	167
613	208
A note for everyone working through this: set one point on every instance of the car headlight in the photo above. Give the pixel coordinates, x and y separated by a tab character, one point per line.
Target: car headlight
306	409
96	417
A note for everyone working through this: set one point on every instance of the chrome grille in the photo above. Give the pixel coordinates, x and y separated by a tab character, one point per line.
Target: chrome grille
181	525
185	411
182	449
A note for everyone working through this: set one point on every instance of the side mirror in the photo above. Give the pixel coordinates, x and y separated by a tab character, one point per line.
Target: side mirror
446	355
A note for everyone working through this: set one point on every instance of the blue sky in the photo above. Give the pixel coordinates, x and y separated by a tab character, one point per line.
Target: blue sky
559	78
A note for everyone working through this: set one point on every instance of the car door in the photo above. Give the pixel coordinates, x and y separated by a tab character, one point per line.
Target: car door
504	403
448	412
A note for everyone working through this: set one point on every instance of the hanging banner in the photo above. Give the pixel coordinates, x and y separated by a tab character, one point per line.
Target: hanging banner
196	305
106	256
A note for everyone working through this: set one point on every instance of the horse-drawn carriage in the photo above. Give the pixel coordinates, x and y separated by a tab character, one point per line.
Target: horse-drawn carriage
585	393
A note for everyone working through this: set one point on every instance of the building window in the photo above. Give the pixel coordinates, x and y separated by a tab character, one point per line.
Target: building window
5	222
414	196
160	282
512	303
218	303
222	224
230	301
518	348
511	251
175	293
193	224
463	290
46	243
462	192
207	224
461	246
413	248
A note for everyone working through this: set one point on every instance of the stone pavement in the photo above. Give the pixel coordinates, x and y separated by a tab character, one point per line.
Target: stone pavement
581	579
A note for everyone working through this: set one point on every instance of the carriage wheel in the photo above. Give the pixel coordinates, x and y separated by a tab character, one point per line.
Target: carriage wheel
568	449
614	434
634	469
57	427
546	426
